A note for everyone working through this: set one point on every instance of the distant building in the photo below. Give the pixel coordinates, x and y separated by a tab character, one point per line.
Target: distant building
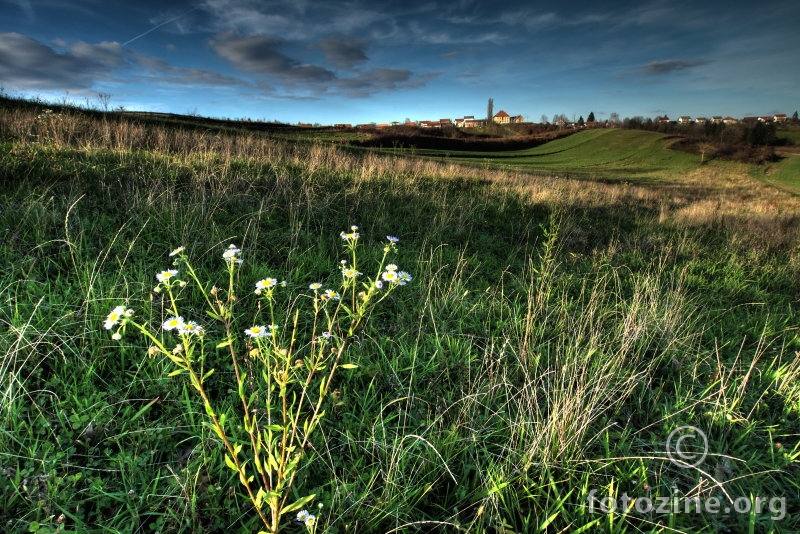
501	117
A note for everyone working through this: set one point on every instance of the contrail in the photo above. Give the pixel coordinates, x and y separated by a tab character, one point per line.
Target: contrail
154	28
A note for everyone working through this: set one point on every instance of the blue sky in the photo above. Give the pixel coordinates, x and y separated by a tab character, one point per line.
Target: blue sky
359	61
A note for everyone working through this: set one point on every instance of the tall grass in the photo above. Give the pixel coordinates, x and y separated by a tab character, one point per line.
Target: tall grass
555	334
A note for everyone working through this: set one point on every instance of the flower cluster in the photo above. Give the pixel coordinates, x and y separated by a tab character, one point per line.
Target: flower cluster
392	275
308	519
231	255
350	236
182	327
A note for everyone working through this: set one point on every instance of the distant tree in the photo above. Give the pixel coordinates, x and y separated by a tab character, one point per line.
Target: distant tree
581	121
794	116
543	119
104	98
490	110
613	119
591	117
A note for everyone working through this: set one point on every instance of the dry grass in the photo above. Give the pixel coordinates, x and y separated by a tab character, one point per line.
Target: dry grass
716	196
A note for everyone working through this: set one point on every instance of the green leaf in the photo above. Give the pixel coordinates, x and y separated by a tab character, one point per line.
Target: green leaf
176	372
349	366
224	344
230	463
260	496
299	503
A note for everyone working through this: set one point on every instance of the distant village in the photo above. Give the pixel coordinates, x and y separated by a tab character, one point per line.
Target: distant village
501	117
778	118
469	121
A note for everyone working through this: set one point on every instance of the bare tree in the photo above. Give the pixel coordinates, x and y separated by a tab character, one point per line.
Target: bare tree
490	110
104	98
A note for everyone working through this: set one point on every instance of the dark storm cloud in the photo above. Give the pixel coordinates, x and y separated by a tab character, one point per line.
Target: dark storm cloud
258	55
379	79
28	64
166	73
344	53
658	68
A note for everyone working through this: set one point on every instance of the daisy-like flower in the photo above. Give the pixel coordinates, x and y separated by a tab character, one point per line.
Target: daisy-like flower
390	276
177	251
173	323
330	294
231	252
315	286
266	283
404	277
257	331
391	267
116	336
163	276
114	317
190	328
231	255
392	239
303	516
350	273
352	235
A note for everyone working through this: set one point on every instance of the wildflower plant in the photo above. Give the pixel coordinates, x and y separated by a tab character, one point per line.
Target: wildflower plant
283	375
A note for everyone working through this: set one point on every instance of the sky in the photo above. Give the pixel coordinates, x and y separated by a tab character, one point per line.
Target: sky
363	61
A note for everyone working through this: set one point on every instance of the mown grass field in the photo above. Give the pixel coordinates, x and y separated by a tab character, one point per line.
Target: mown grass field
555	333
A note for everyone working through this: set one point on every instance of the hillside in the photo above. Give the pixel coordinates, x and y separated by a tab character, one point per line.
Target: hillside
203	329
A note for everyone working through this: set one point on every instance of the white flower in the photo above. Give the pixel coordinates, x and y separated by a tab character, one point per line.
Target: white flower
330	294
173	323
350	273
391	267
114	317
390	276
306	518
315	286
191	328
177	251
404	277
350	236
266	283
231	255
392	239
257	331
163	276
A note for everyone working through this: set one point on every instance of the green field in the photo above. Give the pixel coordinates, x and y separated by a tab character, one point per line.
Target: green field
785	174
605	154
553	337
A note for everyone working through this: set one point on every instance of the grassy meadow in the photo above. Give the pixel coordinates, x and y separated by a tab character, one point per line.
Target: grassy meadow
556	332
